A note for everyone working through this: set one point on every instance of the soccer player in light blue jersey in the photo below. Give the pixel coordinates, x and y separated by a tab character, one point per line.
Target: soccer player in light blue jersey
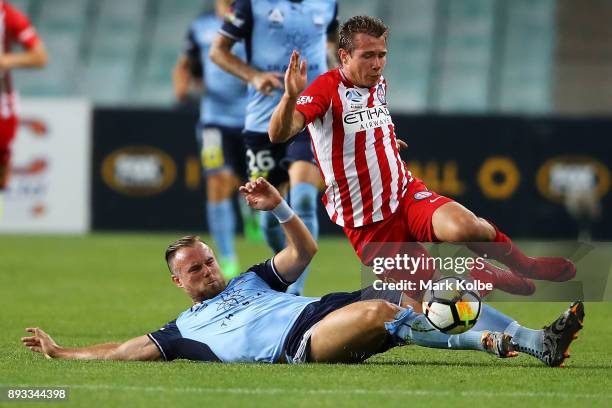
218	132
271	30
252	319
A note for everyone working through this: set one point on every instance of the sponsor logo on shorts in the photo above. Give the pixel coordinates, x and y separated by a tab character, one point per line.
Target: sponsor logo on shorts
422	195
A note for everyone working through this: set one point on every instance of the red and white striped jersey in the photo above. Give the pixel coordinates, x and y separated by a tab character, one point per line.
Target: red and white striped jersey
354	144
15	27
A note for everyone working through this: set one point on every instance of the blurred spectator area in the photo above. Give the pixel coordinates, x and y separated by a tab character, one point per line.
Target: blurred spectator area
465	56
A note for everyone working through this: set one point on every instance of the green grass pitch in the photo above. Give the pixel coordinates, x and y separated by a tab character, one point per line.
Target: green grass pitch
111	287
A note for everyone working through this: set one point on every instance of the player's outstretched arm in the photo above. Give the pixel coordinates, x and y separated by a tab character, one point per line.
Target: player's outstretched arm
286	121
301	246
181	78
137	349
34	57
221	54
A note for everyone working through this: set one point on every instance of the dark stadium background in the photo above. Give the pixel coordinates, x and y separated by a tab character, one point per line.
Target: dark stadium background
505	106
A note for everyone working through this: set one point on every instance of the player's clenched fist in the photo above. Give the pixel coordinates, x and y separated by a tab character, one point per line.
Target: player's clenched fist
261	195
295	76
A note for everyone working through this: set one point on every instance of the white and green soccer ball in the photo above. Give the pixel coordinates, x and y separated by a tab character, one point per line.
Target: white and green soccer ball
451	308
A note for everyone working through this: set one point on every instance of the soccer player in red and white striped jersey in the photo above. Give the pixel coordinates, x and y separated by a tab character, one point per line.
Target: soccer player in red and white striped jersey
15	28
370	193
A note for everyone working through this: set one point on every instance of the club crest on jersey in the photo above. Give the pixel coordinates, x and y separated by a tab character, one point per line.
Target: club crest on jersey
422	194
355	99
276	18
318	20
381	94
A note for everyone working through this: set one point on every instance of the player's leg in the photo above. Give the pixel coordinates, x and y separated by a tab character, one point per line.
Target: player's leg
304	181
221	184
430	214
250	217
550	344
8	129
263	160
357	331
452	222
352	333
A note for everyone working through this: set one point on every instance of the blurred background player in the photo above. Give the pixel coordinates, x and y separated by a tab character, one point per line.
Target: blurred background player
271	31
222	111
15	28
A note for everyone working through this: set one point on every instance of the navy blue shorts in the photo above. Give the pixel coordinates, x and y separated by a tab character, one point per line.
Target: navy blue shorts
271	160
221	148
316	311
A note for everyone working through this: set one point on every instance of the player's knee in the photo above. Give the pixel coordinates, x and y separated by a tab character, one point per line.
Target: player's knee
377	312
465	227
220	186
303	197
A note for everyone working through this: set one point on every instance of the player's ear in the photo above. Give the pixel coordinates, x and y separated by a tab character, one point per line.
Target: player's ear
176	280
343	55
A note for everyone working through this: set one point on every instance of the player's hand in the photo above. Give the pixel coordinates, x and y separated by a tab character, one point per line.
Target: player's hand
266	82
261	195
295	76
401	145
40	342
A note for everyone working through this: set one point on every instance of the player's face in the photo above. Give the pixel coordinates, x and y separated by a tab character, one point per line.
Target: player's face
196	271
366	63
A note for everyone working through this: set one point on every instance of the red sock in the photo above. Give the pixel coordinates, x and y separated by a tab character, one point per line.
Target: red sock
503	250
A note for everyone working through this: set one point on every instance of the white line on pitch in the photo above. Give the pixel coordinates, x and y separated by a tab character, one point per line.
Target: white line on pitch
323	391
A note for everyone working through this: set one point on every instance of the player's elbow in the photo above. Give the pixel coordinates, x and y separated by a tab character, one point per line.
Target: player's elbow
40	57
304	254
274	134
217	53
311	249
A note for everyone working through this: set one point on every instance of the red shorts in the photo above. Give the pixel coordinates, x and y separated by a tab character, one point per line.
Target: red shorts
411	222
8	129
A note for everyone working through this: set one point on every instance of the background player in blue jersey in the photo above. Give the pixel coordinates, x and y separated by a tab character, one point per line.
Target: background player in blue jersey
222	112
252	319
271	30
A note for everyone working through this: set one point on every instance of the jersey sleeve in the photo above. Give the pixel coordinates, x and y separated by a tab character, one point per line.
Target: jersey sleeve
315	100
267	272
20	28
332	28
238	21
172	345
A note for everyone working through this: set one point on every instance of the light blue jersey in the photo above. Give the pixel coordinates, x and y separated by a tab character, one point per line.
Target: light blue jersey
225	98
248	322
271	30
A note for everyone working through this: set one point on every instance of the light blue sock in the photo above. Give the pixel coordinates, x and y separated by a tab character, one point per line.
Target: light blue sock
415	328
412	327
222	226
272	231
493	320
303	200
529	340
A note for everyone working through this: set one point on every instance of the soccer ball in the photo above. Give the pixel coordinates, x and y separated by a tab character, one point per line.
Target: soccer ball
450	307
